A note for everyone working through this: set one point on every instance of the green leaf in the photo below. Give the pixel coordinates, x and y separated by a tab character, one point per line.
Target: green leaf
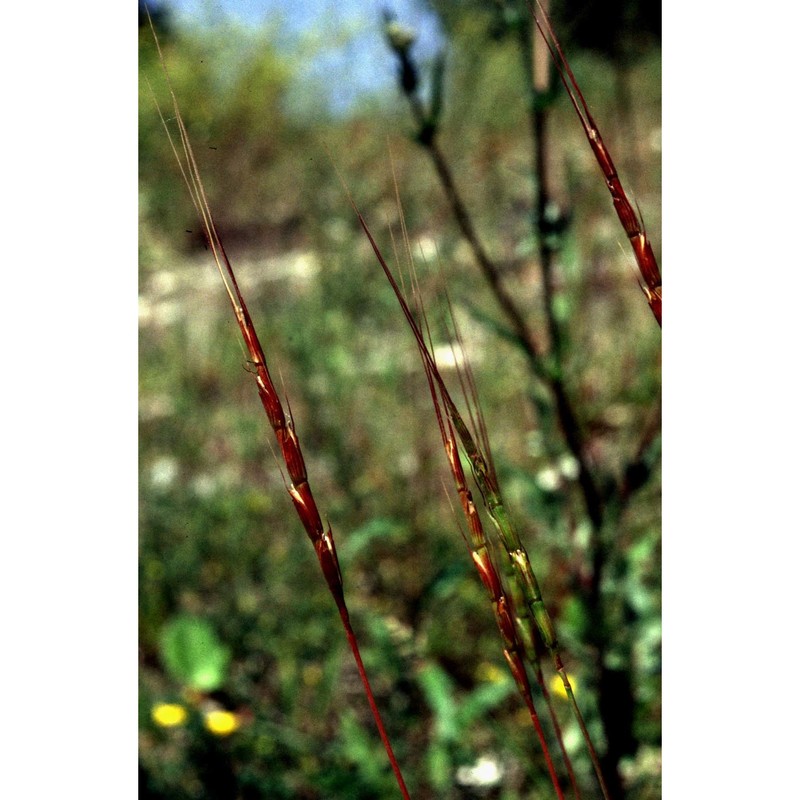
483	700
361	539
440	766
439	692
193	654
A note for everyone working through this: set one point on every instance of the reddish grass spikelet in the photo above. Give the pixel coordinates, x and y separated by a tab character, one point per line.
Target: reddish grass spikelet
486	479
502	604
283	426
630	219
487	482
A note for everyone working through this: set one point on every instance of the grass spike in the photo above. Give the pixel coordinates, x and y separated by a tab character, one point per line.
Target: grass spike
502	604
490	491
299	487
630	219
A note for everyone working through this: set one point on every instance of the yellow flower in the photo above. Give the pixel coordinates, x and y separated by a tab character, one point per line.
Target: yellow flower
221	723
557	686
169	715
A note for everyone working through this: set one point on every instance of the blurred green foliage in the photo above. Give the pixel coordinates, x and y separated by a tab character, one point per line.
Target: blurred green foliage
223	557
193	655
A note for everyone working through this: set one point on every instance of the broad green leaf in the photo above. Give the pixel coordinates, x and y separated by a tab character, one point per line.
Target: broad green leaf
193	654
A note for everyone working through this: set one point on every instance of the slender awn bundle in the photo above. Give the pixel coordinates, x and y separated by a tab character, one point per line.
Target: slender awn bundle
298	487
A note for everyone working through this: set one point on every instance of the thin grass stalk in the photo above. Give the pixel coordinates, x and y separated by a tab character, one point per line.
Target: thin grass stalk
282	424
516	630
502	604
509	620
487	483
506	617
541	367
525	624
630	219
486	479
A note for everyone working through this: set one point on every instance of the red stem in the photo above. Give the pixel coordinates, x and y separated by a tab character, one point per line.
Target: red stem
351	638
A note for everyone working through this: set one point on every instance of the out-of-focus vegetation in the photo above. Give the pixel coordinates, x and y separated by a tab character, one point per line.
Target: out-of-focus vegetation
230	589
